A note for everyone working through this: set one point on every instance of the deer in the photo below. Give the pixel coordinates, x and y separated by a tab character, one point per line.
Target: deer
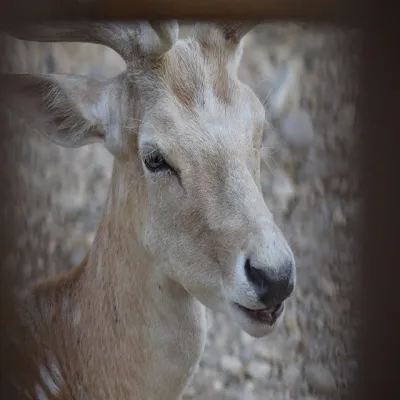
185	226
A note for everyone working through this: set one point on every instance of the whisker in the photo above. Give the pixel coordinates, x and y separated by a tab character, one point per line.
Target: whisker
272	158
268	166
275	149
264	103
266	79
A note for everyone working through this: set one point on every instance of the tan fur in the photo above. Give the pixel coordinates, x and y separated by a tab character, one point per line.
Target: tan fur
129	323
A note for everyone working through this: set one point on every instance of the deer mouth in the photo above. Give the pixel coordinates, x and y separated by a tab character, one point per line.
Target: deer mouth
267	315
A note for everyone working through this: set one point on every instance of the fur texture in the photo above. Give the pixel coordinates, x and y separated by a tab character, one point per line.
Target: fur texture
129	323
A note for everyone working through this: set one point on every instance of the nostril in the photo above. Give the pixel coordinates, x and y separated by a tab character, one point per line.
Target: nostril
271	287
257	277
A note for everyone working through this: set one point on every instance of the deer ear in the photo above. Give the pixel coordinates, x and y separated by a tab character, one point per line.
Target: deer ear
72	111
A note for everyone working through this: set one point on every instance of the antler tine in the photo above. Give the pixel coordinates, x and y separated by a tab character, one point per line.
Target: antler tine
235	31
167	33
89	32
127	39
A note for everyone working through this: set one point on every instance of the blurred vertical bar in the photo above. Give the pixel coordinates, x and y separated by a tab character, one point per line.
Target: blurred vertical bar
379	119
380	332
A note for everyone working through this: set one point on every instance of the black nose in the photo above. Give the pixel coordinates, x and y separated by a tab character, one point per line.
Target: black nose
272	287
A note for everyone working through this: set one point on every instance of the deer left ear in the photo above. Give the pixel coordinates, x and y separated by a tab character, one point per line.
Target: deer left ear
72	111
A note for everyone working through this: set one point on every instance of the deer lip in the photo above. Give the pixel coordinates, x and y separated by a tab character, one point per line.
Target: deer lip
267	315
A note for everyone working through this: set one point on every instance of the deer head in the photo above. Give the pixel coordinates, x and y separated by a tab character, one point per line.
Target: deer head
186	137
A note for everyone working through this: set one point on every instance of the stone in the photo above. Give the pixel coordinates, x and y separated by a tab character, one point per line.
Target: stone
320	378
285	90
246	339
291	375
327	287
338	217
258	370
218	385
320	324
291	323
77	256
89	238
348	115
283	190
246	354
190	392
319	187
270	352
297	129
231	364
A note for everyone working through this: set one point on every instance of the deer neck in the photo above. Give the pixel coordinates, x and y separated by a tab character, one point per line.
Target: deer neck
130	330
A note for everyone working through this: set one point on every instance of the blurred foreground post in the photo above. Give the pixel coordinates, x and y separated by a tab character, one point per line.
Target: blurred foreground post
331	11
380	270
379	118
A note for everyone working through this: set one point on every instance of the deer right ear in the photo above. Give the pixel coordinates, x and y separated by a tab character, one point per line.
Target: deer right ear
72	111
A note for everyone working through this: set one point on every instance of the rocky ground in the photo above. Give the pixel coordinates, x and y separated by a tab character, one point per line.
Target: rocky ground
305	77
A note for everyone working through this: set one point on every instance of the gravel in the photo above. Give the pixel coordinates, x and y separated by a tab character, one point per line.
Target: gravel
231	364
259	370
297	129
320	378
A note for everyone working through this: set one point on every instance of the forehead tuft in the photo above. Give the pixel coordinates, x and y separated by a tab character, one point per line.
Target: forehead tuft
192	74
203	105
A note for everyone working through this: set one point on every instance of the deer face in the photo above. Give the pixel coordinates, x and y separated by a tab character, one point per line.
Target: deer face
190	133
206	220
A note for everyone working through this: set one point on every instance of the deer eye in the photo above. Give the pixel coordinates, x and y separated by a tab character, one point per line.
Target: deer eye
155	162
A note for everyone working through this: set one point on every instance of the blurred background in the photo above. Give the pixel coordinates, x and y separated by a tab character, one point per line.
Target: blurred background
306	78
